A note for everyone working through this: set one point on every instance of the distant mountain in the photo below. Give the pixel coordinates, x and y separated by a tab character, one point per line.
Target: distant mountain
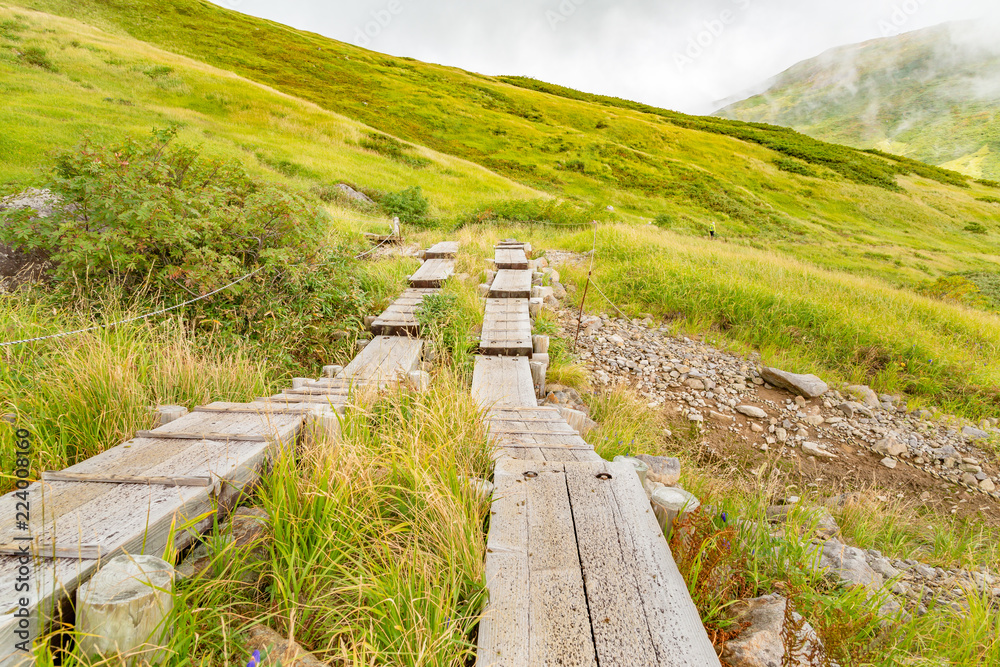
932	95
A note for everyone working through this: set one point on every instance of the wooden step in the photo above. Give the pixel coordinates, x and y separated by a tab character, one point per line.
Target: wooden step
510	258
579	573
442	250
400	319
511	284
506	328
433	273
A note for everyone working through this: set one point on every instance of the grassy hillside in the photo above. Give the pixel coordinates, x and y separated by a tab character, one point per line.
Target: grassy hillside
768	186
880	225
929	94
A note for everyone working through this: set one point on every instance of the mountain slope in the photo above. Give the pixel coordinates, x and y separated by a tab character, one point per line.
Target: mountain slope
768	186
932	94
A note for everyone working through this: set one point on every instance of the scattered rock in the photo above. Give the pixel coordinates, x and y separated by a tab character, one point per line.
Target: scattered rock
847	565
808	386
813	449
751	411
865	394
760	644
974	433
888	462
354	195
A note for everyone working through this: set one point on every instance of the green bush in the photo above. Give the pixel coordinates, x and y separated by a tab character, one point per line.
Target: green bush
988	183
153	209
664	221
150	217
975	228
409	205
393	149
989	200
795	167
36	57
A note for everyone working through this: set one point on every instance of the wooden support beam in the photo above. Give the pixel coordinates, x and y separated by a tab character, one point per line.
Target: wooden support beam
222	437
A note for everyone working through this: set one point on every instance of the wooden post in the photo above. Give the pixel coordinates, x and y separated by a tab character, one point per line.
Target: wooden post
395	227
540	343
538	377
534	307
298	383
321	427
331	371
123	609
370	320
164	414
419	380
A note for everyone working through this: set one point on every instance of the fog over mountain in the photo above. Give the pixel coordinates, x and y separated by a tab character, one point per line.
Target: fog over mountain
932	94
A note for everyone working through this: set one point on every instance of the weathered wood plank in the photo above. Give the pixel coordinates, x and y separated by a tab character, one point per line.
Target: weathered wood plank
556	630
400	317
511	284
510	258
433	273
136	518
506	328
502	382
442	250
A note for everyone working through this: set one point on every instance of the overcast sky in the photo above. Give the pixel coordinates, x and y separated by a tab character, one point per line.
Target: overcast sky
687	55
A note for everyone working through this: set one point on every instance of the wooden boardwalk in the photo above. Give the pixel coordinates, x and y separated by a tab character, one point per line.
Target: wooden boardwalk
75	524
181	474
433	273
511	284
506	327
510	258
442	250
577	567
400	319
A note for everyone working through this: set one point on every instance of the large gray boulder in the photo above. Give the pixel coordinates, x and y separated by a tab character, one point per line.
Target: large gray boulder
808	386
760	643
847	565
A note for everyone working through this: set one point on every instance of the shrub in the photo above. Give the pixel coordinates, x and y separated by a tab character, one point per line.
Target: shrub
975	228
36	57
664	221
149	208
394	149
956	288
150	216
795	167
409	205
988	183
573	165
602	124
989	200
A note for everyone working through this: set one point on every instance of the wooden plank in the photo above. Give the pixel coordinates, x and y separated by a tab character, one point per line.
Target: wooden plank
511	284
506	328
621	634
510	257
175	480
253	408
124	517
442	250
547	609
385	359
631	577
433	273
400	317
75	551
502	382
